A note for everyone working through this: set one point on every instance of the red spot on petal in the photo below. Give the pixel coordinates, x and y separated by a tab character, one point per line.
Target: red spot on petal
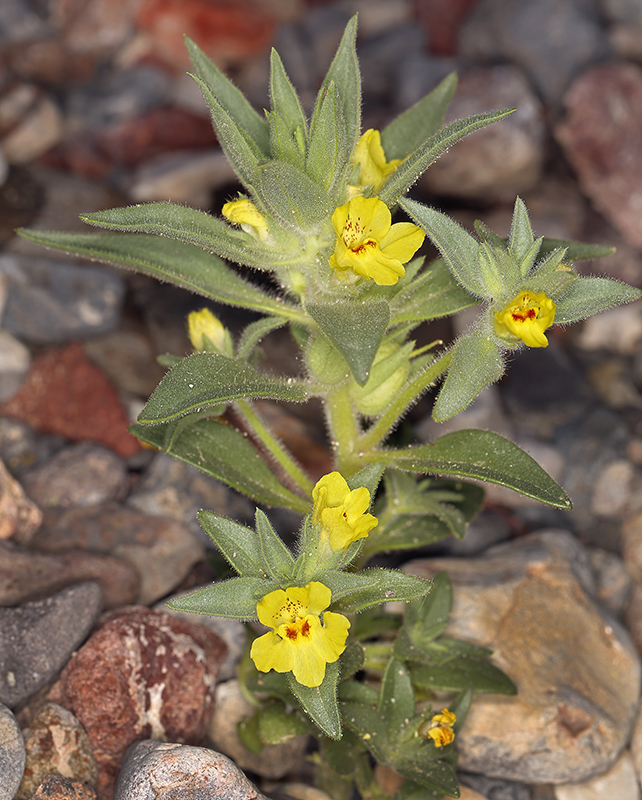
305	628
291	632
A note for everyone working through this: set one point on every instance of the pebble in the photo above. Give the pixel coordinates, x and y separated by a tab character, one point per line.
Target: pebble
12	754
274	761
64	393
55	787
577	672
39	637
15	360
37	132
636	745
21	449
162	550
55	743
620	781
51	302
618	330
20	23
501	160
495	789
155	769
142	674
20	518
26	575
613	581
612	489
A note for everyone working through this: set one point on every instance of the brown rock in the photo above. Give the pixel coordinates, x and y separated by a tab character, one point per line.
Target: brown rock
27	575
602	139
20	518
631	545
143	674
55	787
441	22
65	394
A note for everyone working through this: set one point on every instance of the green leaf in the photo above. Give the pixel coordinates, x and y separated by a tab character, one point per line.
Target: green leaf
248	731
283	145
396	698
254	332
355	328
358	693
589	295
435	775
368	477
476	363
329	154
276	725
409	130
521	237
351	660
203	380
435	293
484	455
320	702
229	97
575	251
285	100
342	756
354	591
459	671
292	197
425	620
235	598
459	249
344	71
224	453
369	726
238	544
276	556
429	151
181	264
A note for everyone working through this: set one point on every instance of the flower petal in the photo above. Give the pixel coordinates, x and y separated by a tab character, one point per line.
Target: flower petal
402	241
270	651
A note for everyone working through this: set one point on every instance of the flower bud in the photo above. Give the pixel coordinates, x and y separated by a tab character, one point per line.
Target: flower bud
388	374
207	332
243	212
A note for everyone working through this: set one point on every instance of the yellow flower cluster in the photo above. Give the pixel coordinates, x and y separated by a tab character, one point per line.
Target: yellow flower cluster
526	317
440	728
243	212
341	513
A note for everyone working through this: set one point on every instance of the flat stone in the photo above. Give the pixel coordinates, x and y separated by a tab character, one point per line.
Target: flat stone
56	787
38	639
55	743
141	674
12	754
613	581
620	781
20	518
156	770
15	360
576	670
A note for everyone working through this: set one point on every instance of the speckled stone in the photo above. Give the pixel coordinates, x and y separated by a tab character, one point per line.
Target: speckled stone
12	754
55	787
19	516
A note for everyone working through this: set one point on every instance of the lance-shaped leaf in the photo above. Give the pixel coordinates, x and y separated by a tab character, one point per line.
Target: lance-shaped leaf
254	332
476	363
418	161
435	293
484	455
456	669
396	697
459	249
368	477
354	591
409	130
173	261
329	152
369	726
575	251
292	197
521	237
203	380
283	145
224	453
235	598
285	100
320	702
587	296
355	328
435	775
425	620
277	559
238	544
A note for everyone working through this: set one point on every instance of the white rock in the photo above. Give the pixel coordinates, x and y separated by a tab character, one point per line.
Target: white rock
618	329
39	131
15	360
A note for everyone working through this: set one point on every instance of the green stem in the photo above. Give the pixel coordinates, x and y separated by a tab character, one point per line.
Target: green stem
377	654
271	444
344	429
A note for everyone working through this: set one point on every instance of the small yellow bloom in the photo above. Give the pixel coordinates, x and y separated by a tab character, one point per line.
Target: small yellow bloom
341	512
299	642
373	167
369	245
526	317
204	323
445	718
243	212
441	735
439	729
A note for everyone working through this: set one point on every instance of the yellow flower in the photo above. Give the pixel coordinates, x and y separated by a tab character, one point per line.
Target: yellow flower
445	718
204	323
243	212
439	729
373	167
299	643
368	245
526	317
341	512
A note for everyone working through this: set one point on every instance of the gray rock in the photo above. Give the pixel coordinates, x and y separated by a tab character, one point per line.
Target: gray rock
12	754
83	474
20	448
620	781
38	638
495	789
417	74
20	23
379	57
19	517
15	360
51	302
159	771
613	581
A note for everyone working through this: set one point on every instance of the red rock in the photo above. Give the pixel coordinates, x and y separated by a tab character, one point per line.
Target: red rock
602	139
142	675
227	31
442	21
65	394
55	787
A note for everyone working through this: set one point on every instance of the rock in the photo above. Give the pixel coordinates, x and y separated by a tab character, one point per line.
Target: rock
51	302
12	754
38	639
551	41
154	769
162	550
98	27
501	160
19	517
576	671
18	446
49	62
274	761
612	380
631	546
601	137
20	22
39	130
55	743
620	781
65	394
27	575
618	330
141	674
633	615
441	23
379	59
612	489
636	745
14	364
55	787
613	582
495	789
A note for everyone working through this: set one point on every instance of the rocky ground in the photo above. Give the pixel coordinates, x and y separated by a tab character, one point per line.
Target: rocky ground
96	533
